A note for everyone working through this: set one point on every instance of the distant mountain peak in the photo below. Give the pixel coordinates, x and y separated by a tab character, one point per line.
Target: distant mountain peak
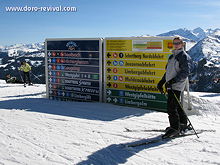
199	32
198	29
184	32
208	48
196	34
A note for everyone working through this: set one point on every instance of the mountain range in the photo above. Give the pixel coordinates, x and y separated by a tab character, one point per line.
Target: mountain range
194	35
202	45
11	56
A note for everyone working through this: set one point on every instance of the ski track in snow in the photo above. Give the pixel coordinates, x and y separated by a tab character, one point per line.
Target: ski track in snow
38	131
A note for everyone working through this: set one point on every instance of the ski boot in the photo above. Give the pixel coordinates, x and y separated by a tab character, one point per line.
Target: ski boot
171	132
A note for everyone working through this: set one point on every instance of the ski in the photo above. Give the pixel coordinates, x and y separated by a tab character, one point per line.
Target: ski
145	130
162	130
32	85
160	139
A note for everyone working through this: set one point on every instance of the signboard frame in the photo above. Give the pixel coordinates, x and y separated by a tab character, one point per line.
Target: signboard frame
77	39
105	60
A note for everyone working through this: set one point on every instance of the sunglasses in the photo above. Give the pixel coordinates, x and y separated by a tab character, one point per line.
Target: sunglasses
177	43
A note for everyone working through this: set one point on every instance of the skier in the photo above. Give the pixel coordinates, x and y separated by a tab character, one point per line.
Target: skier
175	78
26	68
11	79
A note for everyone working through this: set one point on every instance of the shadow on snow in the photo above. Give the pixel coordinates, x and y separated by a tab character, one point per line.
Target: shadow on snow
118	153
85	110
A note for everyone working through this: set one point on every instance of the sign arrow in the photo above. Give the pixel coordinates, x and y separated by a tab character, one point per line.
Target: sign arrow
115	100
108	62
109	77
108	70
109	55
108	99
109	85
109	92
50	67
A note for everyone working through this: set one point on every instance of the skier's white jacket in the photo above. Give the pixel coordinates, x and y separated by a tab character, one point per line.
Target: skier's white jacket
178	68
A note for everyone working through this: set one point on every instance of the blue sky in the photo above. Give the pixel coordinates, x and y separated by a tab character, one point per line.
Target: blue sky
104	18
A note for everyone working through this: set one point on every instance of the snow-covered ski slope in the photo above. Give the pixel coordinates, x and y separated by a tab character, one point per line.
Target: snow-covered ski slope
38	131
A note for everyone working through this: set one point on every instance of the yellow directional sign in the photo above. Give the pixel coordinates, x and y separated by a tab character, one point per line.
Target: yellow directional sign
133	79
135	71
119	45
132	87
137	55
137	63
153	45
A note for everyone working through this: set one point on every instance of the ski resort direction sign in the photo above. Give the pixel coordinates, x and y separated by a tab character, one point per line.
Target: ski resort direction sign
132	69
74	69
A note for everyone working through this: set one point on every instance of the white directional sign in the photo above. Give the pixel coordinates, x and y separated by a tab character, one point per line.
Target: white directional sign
74	69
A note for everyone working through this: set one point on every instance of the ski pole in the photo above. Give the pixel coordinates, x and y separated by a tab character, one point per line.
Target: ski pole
189	98
184	112
35	76
20	75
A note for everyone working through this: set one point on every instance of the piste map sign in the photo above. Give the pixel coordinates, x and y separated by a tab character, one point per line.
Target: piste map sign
74	69
132	68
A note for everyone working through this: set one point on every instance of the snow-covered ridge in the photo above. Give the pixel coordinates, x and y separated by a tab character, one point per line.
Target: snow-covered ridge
208	48
18	49
194	35
182	32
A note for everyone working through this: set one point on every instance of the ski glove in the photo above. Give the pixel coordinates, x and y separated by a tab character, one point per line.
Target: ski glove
169	83
160	85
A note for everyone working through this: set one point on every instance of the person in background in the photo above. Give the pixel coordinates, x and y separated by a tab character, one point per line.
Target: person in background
26	69
10	79
175	78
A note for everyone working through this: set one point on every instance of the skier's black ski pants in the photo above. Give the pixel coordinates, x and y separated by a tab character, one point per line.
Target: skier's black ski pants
26	76
175	113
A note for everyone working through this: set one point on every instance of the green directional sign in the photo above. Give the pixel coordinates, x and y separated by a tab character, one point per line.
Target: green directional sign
139	99
135	95
159	106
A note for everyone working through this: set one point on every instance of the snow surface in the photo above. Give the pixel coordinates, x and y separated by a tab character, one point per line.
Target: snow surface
38	131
